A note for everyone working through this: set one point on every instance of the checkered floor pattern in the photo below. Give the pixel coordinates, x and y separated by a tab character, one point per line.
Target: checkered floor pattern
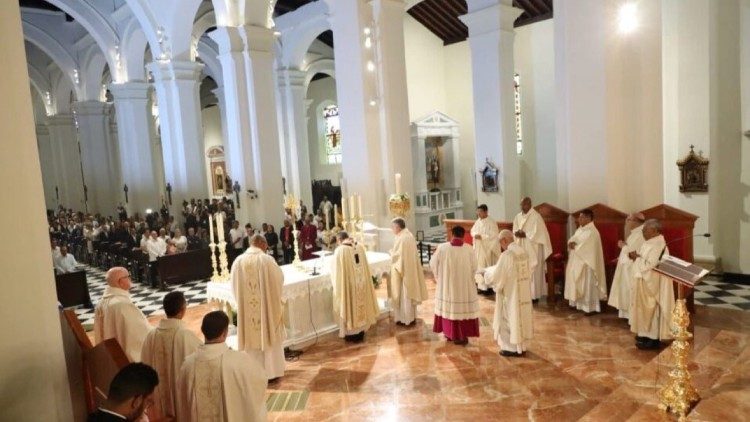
146	298
714	292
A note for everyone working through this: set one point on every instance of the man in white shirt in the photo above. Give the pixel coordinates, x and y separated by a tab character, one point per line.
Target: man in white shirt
486	246
219	384
236	236
156	247
166	348
66	263
116	316
55	251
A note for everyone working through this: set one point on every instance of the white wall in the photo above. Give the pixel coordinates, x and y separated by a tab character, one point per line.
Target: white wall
212	136
320	94
33	376
744	231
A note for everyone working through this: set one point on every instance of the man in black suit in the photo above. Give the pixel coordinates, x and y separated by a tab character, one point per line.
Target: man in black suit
130	394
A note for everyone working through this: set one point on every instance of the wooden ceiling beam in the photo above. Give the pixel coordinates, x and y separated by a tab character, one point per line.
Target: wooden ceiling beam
420	15
454	25
428	18
528	6
542	6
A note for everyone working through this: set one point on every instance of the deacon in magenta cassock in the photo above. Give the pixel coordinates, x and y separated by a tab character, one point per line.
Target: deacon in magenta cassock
257	281
456	303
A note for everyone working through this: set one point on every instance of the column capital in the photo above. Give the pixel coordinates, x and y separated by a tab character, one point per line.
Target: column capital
62	119
233	39
91	108
291	77
134	90
166	70
487	16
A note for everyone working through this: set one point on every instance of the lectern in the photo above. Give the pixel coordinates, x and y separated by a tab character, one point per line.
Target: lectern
679	395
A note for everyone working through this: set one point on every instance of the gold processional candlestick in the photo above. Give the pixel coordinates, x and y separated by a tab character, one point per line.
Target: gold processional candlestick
292	203
211	247
679	394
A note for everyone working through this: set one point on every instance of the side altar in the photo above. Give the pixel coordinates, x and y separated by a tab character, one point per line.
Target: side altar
437	181
308	298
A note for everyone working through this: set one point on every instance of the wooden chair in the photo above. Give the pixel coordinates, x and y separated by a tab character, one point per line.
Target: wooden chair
556	221
677	229
611	225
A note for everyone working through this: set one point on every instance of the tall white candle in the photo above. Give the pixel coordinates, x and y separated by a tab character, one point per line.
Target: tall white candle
211	228
326	220
353	207
343	209
220	226
336	215
398	183
359	207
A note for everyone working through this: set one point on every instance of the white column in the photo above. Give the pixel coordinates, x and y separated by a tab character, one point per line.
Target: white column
32	361
294	116
139	168
101	166
47	162
219	92
491	37
67	159
176	84
247	56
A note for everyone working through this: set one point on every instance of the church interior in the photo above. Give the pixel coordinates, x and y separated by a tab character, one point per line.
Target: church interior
171	139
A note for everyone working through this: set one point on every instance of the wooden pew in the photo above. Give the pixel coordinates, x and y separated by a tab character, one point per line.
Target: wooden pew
186	266
467	225
72	289
611	225
556	221
677	227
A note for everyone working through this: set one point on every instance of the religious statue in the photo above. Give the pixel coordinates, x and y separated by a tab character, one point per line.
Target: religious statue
489	177
434	169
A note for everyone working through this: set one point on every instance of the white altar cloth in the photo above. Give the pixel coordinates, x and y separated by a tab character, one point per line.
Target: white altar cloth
308	307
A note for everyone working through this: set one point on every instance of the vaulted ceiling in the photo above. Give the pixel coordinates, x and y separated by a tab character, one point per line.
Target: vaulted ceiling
441	16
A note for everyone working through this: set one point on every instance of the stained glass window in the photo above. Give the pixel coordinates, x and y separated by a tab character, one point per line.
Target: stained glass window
333	134
517	107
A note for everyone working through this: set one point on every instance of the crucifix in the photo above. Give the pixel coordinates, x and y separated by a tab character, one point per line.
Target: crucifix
125	188
169	193
236	189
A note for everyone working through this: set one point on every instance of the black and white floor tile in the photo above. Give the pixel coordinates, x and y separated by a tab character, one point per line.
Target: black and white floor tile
145	297
714	292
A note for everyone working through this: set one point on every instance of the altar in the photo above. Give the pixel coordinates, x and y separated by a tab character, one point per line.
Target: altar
308	299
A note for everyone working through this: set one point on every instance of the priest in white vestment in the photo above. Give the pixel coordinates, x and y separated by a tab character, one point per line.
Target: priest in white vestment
622	282
116	316
531	234
652	299
485	233
408	288
257	281
217	384
354	301
65	263
165	350
512	326
456	303
585	277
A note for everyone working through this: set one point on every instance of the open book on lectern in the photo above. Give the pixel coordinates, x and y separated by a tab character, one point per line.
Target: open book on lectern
681	271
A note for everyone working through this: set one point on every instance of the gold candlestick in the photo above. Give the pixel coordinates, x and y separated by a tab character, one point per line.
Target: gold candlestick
224	263
679	394
292	204
211	247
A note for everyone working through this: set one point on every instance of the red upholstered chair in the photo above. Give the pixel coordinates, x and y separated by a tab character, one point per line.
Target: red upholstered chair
677	228
556	221
611	225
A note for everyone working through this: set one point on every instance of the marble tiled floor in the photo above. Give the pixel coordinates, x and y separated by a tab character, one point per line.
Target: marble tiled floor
577	368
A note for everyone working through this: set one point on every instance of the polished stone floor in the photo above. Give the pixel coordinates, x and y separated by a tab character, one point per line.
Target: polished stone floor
577	368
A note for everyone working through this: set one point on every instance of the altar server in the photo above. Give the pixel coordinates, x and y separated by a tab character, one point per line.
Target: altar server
585	279
165	350
408	288
531	234
217	384
622	283
512	326
456	301
354	301
116	316
652	298
484	233
257	281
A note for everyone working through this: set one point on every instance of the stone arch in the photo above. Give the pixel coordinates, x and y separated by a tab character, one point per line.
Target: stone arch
325	66
133	49
54	50
300	30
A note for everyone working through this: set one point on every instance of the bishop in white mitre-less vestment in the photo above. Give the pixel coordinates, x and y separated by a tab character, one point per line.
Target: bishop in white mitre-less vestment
408	288
116	316
217	384
456	303
165	350
512	324
585	277
354	301
257	282
531	234
652	299
484	233
622	282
